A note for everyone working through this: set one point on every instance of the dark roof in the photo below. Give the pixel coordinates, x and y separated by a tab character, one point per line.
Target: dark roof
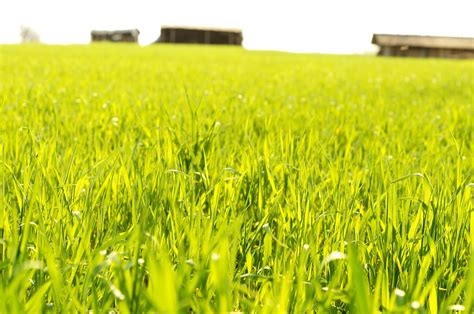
200	28
123	31
423	41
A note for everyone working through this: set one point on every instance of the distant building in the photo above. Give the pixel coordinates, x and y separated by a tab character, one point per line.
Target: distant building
128	36
424	46
200	35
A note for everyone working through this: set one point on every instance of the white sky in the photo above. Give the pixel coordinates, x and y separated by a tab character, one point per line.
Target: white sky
331	26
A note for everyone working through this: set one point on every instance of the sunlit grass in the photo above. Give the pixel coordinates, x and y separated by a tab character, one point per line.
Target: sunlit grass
168	179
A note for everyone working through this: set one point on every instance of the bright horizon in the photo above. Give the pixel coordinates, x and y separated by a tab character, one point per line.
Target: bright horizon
296	26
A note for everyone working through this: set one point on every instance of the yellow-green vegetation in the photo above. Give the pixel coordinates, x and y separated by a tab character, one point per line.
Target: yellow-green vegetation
213	179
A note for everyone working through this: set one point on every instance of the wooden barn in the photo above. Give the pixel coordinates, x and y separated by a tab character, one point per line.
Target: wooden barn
126	36
200	35
424	46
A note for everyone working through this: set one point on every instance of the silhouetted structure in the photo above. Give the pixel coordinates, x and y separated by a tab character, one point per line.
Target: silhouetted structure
129	36
199	35
424	46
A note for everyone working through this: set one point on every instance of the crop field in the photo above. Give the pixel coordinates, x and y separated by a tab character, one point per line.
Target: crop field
213	179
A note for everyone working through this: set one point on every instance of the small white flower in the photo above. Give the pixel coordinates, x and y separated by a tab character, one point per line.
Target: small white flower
115	121
399	293
456	307
103	252
215	257
415	305
306	246
141	261
118	294
77	215
332	257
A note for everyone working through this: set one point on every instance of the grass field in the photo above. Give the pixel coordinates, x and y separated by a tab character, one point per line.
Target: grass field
178	178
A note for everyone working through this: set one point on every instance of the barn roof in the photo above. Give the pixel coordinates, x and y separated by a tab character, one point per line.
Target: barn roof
120	31
423	41
201	28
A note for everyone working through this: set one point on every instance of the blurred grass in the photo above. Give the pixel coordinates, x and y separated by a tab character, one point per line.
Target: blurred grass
176	178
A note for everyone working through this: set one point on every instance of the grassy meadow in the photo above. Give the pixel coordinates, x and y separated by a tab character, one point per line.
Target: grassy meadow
213	179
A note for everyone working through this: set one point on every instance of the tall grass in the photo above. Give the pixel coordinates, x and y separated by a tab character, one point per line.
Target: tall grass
180	178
